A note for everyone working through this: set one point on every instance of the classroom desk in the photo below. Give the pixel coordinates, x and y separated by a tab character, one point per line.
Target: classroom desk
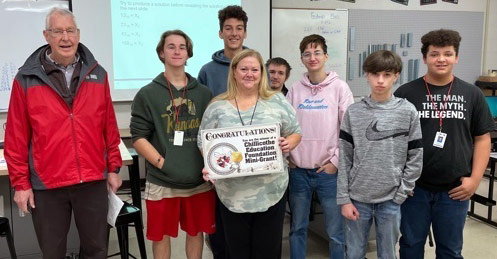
488	200
3	166
27	245
125	133
125	155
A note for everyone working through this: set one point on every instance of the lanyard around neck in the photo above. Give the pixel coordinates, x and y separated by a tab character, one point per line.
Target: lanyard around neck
240	116
442	108
177	110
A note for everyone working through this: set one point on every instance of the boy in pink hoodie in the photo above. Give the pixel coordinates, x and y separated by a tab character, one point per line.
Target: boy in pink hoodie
320	99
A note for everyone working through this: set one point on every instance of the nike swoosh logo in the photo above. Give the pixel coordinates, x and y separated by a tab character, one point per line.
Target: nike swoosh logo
373	134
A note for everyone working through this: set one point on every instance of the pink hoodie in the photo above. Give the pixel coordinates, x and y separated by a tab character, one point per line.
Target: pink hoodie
320	109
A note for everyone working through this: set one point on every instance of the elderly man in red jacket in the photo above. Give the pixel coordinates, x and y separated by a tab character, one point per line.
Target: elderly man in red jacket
61	141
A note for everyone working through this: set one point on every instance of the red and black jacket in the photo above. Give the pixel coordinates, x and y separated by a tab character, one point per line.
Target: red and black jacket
49	144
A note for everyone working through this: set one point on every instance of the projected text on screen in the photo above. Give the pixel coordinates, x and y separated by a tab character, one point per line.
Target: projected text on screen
137	26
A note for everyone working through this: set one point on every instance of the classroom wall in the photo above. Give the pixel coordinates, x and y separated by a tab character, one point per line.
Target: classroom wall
473	5
488	6
490	54
489	59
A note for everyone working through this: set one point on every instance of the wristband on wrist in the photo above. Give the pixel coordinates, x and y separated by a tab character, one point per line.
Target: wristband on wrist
158	161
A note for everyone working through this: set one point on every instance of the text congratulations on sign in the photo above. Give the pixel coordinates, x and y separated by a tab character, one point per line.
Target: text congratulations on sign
242	151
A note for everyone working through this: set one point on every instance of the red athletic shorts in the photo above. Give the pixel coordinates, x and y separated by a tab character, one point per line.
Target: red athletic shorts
195	213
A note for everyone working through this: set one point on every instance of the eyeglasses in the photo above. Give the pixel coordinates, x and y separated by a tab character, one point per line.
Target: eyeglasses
71	32
308	55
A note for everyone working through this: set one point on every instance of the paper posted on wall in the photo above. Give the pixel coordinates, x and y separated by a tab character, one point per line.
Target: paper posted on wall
242	151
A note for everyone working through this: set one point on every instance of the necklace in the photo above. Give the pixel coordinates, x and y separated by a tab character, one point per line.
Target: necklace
253	113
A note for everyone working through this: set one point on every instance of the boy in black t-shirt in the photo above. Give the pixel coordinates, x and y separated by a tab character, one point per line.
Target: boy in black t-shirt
455	122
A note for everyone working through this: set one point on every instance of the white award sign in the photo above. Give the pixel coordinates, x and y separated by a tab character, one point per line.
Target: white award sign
242	151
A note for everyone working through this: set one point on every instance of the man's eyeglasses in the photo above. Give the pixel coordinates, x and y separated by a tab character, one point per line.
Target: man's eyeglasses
308	55
71	32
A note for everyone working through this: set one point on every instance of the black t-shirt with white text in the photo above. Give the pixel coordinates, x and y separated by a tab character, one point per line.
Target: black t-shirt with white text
464	114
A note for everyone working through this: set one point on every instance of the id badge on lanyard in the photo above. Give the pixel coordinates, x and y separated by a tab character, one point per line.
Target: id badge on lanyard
439	140
178	134
440	137
178	138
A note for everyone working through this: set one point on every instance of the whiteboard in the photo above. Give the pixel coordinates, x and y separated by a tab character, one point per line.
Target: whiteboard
22	24
290	26
94	18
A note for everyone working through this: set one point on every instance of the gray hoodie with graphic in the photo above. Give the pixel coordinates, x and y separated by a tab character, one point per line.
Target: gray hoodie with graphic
381	151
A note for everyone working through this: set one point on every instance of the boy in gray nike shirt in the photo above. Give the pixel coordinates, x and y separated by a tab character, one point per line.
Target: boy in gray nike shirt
380	159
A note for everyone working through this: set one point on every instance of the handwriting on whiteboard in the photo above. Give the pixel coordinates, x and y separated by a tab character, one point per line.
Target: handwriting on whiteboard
7	73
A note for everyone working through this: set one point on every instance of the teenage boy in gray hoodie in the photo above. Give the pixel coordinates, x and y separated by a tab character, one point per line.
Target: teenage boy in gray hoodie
380	158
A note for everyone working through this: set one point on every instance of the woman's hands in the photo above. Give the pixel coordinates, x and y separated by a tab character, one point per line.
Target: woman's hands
205	175
284	145
290	142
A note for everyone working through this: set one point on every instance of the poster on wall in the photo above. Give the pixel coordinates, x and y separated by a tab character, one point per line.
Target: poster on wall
404	2
425	2
242	151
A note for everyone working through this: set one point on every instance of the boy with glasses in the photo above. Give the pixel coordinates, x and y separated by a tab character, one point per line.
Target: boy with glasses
320	99
380	159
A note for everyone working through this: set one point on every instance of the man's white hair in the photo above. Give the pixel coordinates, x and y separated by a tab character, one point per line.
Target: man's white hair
60	11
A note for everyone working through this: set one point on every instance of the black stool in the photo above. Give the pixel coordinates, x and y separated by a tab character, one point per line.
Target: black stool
131	214
5	232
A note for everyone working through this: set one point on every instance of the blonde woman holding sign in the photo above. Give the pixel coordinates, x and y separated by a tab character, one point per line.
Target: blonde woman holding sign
252	207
